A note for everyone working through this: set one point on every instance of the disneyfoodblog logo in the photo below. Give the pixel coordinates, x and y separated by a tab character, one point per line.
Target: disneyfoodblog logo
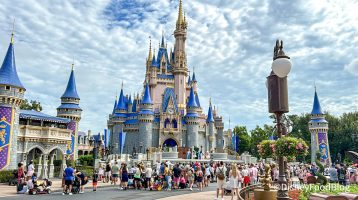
313	187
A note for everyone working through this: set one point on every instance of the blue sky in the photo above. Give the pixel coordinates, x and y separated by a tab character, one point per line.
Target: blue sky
229	43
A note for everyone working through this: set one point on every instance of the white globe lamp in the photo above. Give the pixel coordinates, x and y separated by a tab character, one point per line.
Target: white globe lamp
281	67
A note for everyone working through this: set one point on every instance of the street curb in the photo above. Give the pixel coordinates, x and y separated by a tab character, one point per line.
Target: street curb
86	187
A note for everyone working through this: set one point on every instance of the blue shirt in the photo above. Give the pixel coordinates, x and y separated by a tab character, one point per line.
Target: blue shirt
69	174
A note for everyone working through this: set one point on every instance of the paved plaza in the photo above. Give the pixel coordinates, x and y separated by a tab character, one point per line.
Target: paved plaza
107	191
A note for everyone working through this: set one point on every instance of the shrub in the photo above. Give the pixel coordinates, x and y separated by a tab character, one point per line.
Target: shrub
86	160
6	175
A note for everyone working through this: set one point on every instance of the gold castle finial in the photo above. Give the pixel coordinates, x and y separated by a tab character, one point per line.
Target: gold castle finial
73	63
150	55
13	32
180	14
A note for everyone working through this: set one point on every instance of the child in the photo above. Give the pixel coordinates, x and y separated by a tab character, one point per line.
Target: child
95	180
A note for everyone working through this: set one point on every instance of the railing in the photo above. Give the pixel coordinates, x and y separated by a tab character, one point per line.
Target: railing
44	132
247	193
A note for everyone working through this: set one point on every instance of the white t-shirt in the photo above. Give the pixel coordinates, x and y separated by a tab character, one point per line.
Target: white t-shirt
245	172
148	172
30	167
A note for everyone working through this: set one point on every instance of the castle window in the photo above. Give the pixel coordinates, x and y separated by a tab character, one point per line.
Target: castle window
7	87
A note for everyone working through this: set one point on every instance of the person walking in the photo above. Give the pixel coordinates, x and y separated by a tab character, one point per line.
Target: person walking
220	177
233	180
20	173
148	175
176	174
30	170
107	173
115	173
245	174
124	176
190	177
100	173
199	178
95	178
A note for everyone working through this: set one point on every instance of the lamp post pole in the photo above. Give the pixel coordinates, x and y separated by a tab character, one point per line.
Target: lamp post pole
278	104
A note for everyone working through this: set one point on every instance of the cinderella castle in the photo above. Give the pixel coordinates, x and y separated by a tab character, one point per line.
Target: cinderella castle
168	113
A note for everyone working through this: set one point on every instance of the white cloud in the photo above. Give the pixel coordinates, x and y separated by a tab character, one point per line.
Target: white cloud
229	42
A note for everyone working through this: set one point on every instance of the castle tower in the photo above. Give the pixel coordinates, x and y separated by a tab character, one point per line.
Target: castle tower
192	121
194	82
130	104
11	95
180	69
117	121
145	118
70	109
318	127
210	124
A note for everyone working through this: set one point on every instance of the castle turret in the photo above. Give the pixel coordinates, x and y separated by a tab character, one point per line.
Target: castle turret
194	82
219	125
210	123
192	121
130	104
70	109
11	96
318	127
145	118
117	121
180	69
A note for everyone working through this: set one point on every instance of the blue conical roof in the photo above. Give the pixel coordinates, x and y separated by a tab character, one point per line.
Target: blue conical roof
121	105
154	62
316	110
134	107
192	102
114	107
8	73
193	79
146	97
210	114
162	44
189	80
71	91
197	99
130	100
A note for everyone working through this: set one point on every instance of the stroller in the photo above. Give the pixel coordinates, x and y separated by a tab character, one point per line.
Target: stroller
39	187
13	180
76	186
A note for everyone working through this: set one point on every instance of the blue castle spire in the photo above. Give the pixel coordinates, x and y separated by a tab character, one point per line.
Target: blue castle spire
189	80
71	91
115	106
121	105
210	114
8	73
162	44
197	99
192	102
316	110
134	106
193	78
146	98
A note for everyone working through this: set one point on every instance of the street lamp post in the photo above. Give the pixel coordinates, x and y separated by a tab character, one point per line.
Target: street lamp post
278	104
95	144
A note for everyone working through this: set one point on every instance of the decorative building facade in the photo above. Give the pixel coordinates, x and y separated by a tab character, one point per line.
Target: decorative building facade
318	127
168	113
29	134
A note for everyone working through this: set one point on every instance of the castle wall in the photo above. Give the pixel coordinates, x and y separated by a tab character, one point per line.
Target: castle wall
193	137
145	134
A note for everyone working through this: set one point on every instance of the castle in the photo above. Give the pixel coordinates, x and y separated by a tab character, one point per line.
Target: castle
168	113
32	135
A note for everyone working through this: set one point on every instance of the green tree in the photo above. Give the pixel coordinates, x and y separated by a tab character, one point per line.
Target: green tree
257	135
32	105
244	139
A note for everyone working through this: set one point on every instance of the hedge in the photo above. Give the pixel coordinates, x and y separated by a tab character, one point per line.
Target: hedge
6	175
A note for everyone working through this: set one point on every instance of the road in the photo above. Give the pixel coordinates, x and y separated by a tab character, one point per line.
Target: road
113	193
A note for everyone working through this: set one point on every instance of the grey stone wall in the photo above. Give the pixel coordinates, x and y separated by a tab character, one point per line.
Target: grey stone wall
145	134
13	151
155	139
220	138
193	137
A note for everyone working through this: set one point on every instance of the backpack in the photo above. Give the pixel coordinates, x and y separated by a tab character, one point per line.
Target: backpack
220	174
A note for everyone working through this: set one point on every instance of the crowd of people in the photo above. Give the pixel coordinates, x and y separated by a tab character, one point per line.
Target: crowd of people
229	177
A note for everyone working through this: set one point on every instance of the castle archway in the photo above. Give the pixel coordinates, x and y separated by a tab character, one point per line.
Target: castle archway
170	143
